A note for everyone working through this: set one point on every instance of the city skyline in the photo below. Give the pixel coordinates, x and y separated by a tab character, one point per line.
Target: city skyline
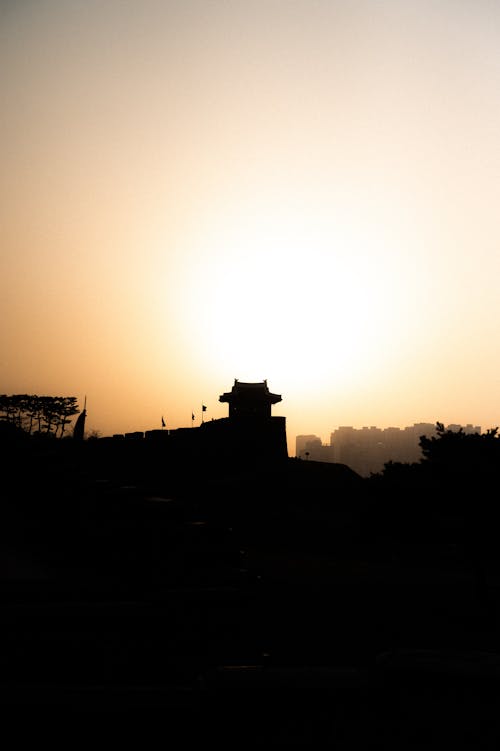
367	449
304	192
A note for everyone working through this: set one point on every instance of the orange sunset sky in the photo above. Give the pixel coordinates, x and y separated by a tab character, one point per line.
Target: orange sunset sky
303	191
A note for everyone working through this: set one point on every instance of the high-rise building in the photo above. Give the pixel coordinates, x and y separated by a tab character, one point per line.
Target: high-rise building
310	447
366	450
301	442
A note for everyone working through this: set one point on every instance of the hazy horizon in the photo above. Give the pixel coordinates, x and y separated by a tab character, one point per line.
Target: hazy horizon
298	191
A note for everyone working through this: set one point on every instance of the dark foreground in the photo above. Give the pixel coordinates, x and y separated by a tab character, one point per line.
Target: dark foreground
231	611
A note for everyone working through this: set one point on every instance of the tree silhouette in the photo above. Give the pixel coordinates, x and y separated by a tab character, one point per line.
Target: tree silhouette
451	459
45	415
458	454
453	481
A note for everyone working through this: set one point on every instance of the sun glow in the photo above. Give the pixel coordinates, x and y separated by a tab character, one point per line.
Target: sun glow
304	300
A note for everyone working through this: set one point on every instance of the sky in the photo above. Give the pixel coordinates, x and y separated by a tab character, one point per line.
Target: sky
303	191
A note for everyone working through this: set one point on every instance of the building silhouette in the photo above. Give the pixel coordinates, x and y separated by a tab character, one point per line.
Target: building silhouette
250	435
367	449
249	401
310	447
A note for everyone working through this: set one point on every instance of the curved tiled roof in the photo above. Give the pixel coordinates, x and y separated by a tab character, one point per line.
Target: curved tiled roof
258	390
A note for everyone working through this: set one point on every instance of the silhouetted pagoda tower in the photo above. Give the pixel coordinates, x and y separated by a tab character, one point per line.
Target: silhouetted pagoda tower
250	436
252	400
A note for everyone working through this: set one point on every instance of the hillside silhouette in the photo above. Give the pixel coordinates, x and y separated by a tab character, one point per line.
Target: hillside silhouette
294	599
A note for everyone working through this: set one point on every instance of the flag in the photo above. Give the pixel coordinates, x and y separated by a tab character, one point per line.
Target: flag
79	429
203	408
162	422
